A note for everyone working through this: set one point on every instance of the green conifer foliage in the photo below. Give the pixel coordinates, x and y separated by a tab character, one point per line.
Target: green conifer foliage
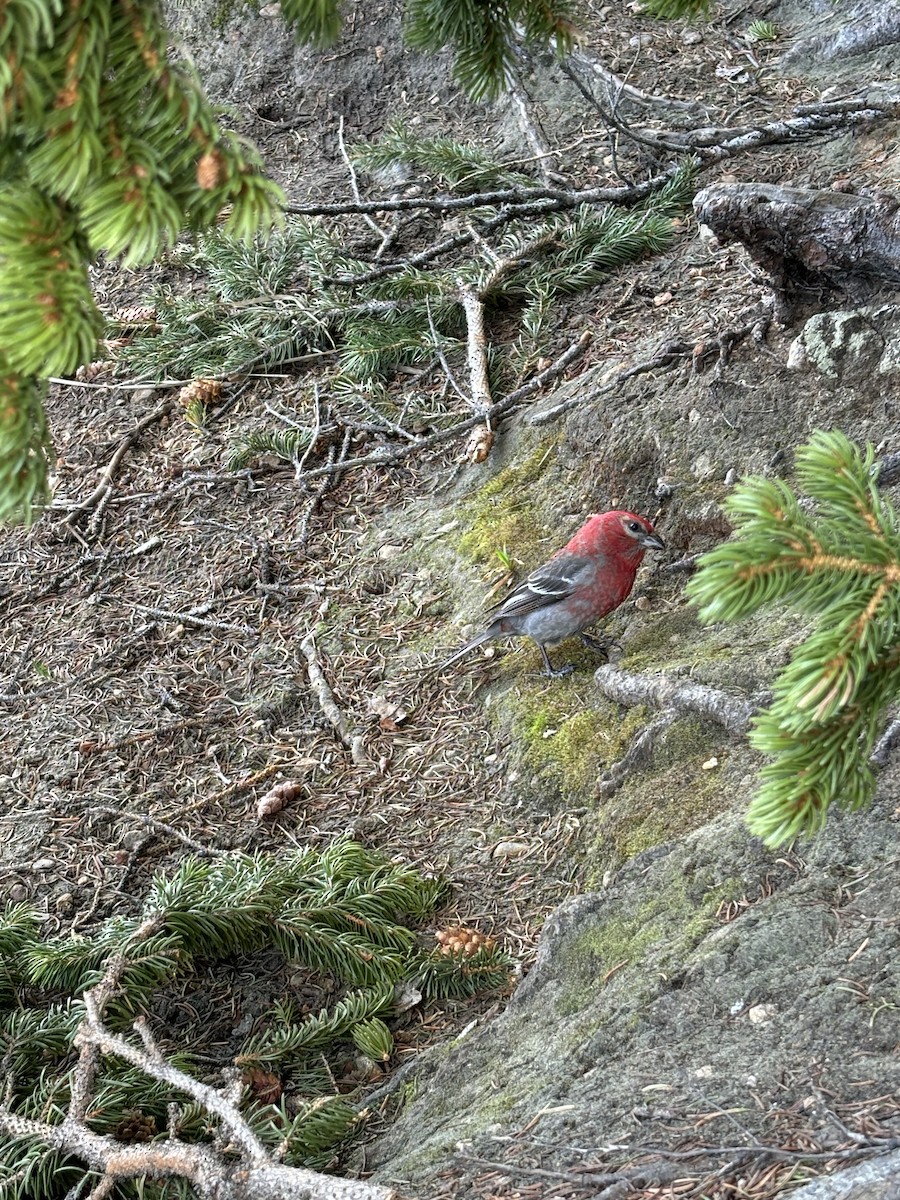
105	146
835	557
344	914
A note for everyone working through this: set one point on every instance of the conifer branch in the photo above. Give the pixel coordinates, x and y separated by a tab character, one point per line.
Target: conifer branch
838	562
343	910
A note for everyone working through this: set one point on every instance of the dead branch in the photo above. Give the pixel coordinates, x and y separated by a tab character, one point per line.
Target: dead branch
550	199
665	357
662	691
384	236
618	89
99	496
241	785
476	349
808	240
256	1176
532	134
189	617
325	696
387	456
156	827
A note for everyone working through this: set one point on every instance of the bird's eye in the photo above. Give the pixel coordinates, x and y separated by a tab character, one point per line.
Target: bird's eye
635	527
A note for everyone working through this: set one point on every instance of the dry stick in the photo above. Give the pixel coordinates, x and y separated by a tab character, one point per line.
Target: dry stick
325	697
616	88
476	343
388	456
530	131
258	1176
241	785
662	691
384	237
155	826
550	199
442	357
104	487
185	618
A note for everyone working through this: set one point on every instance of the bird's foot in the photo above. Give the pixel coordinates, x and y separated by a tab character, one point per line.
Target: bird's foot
560	672
554	672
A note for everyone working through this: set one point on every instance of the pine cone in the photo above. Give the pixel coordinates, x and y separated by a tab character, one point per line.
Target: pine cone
210	170
265	1085
463	941
134	314
478	447
135	1127
200	391
88	371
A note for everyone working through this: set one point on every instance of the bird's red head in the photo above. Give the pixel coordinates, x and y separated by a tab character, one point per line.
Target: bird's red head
618	533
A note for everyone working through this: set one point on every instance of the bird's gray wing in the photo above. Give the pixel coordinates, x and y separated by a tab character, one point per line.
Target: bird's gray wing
555	581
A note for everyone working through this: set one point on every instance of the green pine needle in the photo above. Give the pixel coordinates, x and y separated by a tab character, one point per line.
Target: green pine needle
834	557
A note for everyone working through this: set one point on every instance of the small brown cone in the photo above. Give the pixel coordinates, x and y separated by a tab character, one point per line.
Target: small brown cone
210	170
200	391
463	941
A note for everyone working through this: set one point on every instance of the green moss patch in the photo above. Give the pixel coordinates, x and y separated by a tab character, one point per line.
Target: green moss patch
507	512
566	735
669	798
673	920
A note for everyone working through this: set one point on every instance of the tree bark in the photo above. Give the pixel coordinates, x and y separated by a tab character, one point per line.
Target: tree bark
810	243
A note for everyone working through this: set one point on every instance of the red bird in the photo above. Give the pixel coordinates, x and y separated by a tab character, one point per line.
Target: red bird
591	575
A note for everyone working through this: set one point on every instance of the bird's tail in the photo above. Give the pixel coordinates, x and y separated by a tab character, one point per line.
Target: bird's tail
478	640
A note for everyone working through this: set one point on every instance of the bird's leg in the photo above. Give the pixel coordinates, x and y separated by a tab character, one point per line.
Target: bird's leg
554	672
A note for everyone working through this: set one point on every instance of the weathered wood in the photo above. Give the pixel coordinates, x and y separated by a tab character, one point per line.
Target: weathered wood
809	242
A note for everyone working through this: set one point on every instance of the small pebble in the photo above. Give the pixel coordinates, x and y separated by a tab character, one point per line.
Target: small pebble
43	864
761	1014
509	849
730	477
18	893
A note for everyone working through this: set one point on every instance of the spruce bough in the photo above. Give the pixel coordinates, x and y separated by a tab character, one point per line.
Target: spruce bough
836	559
344	913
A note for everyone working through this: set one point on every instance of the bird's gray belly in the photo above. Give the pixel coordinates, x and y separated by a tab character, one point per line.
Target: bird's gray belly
551	624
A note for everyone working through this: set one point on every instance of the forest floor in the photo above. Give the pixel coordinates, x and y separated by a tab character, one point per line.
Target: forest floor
152	676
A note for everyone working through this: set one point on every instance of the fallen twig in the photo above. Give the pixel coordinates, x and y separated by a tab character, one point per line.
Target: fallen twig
256	1175
246	784
154	826
477	349
387	456
328	705
99	496
665	357
662	691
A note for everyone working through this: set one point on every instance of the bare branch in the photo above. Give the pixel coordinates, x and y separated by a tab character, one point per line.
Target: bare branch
662	691
477	349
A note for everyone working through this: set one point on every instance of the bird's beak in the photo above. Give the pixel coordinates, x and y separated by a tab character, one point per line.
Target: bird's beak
652	541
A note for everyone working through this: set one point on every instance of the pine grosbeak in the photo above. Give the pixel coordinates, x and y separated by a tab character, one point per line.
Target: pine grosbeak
588	578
